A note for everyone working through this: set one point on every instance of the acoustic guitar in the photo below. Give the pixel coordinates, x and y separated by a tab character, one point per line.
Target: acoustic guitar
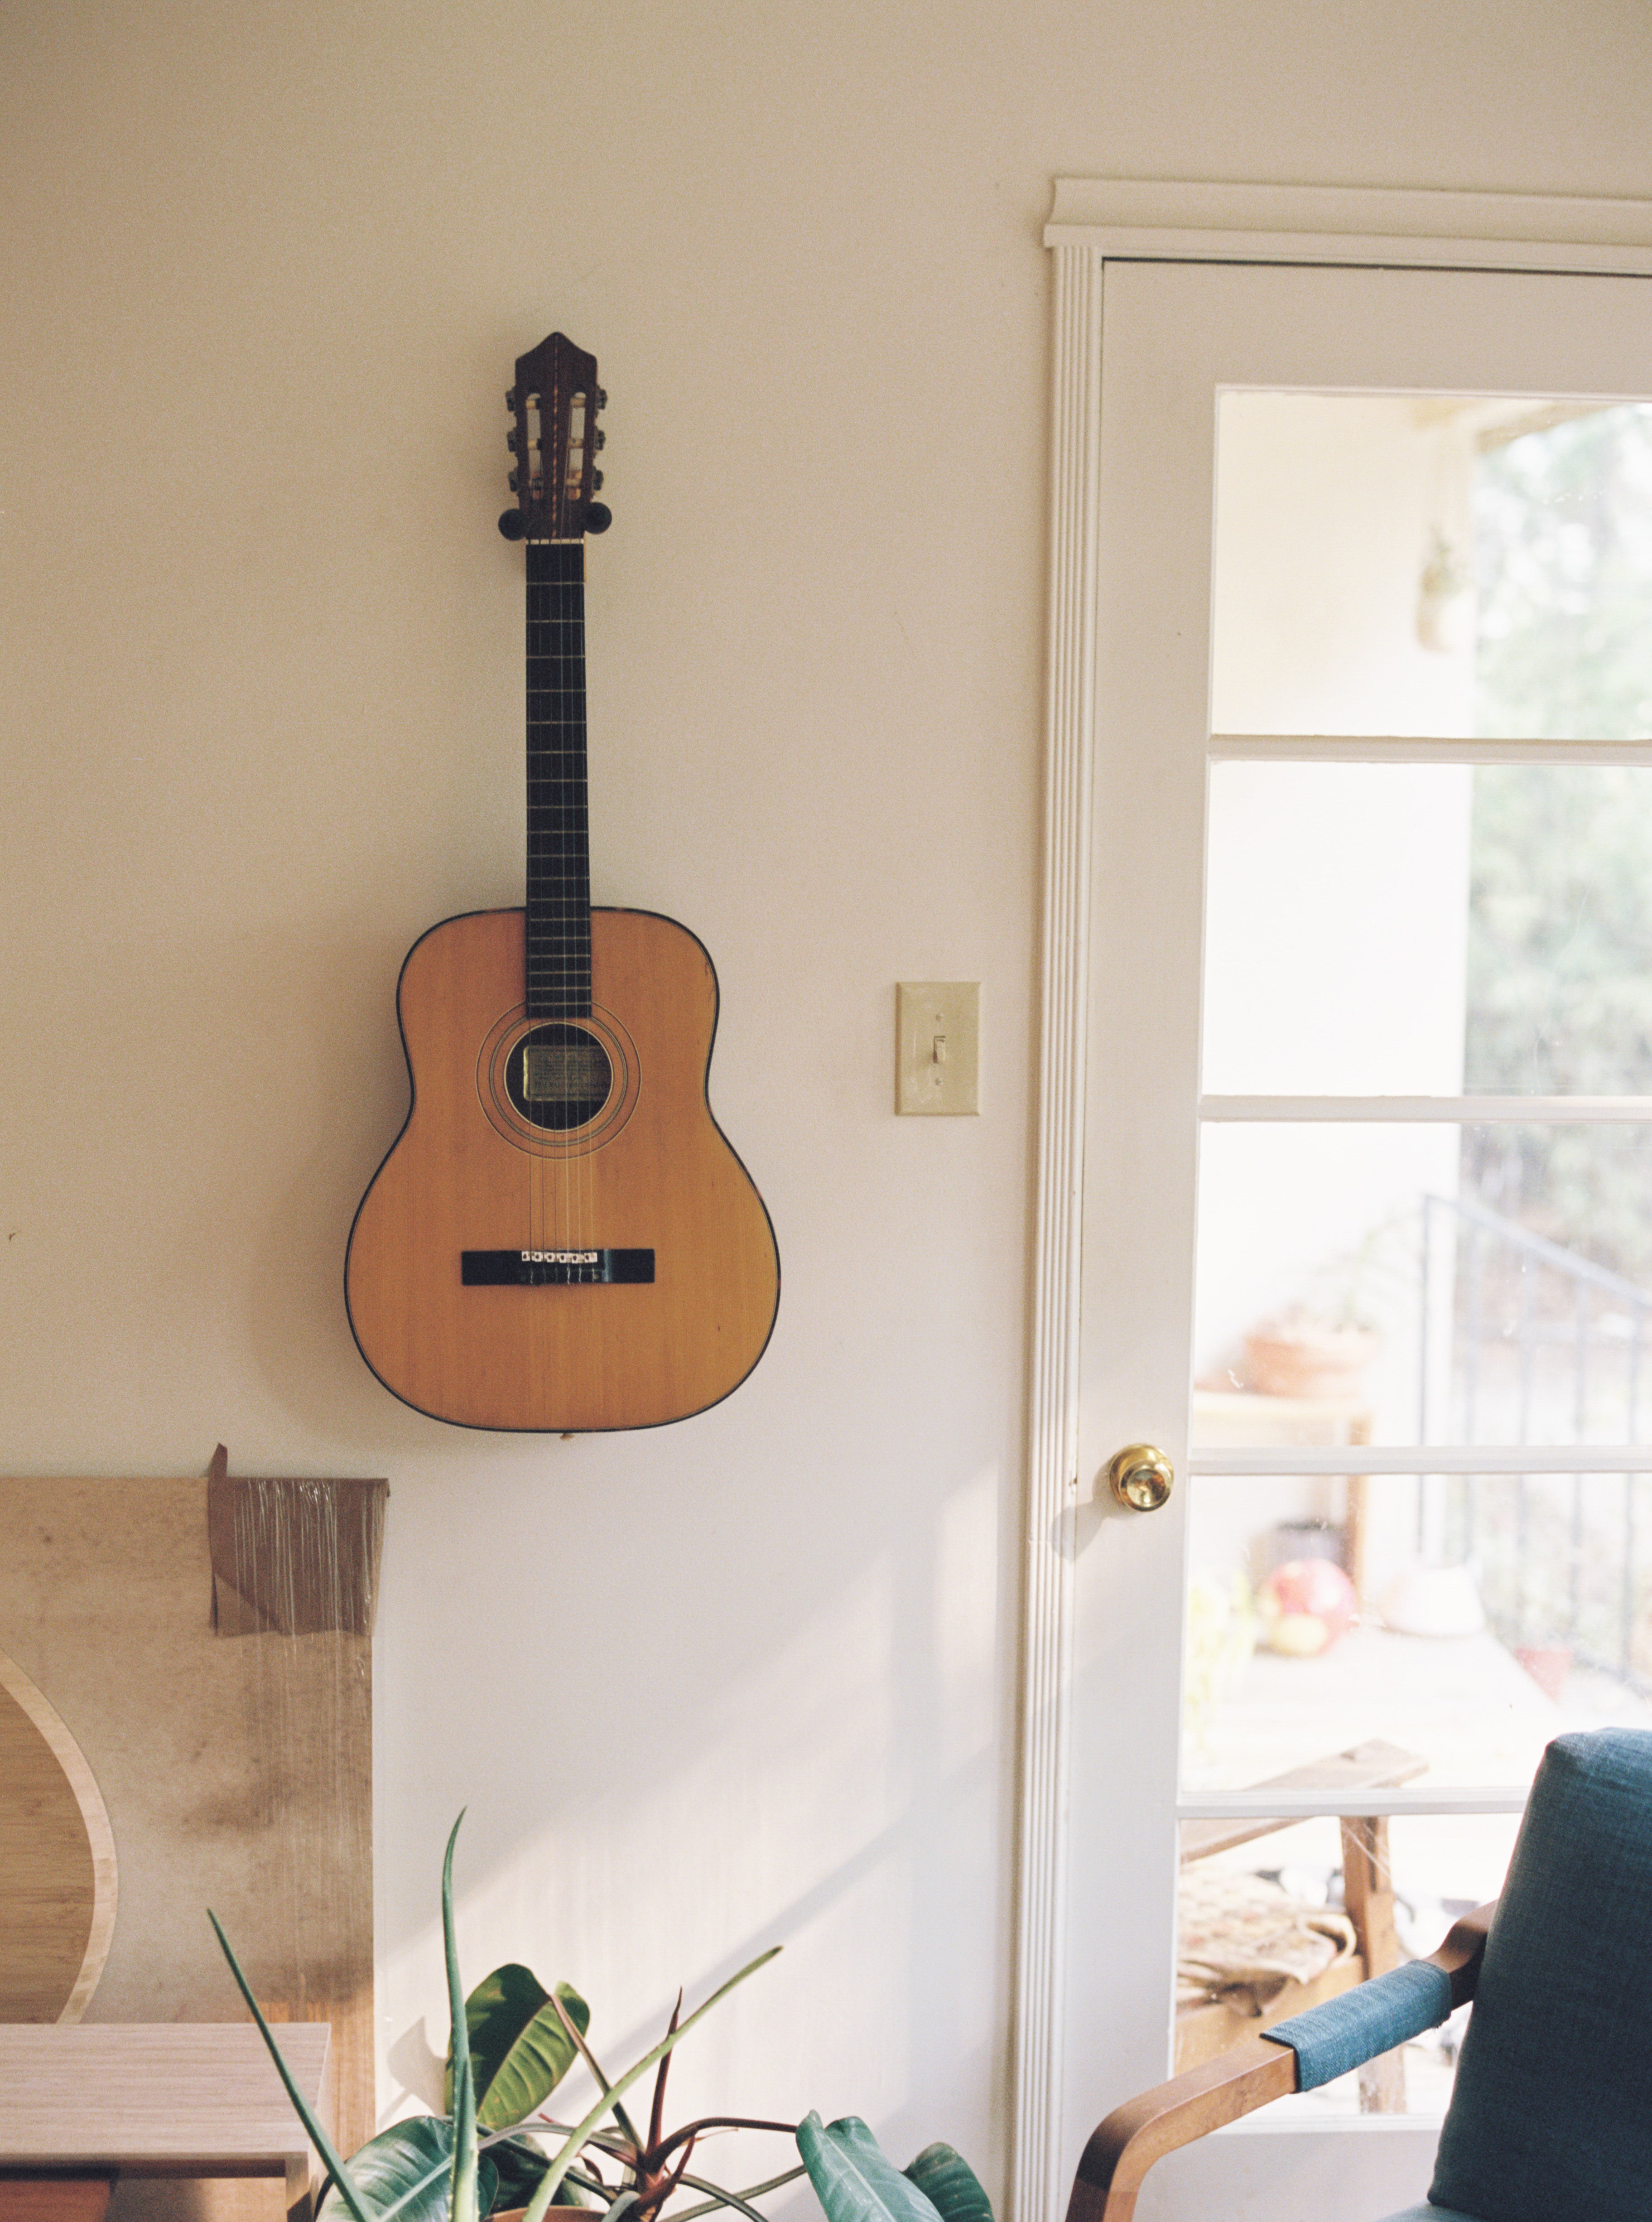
559	1238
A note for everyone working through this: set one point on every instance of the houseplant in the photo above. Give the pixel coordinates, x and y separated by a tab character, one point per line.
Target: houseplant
511	2042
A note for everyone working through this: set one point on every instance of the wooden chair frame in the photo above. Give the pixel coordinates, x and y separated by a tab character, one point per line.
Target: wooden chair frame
1145	2129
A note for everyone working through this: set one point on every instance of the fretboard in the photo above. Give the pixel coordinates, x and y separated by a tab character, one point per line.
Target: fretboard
559	843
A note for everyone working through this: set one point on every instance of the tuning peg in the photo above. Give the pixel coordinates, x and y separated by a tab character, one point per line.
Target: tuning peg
598	517
509	397
512	438
514	480
601	438
596	481
513	524
602	399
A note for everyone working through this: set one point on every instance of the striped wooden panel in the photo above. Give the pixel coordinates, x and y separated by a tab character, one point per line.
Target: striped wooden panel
57	1861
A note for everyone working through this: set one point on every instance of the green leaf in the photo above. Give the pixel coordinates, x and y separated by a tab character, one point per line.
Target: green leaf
854	2180
465	2189
312	2129
520	2051
521	2167
950	2184
407	2171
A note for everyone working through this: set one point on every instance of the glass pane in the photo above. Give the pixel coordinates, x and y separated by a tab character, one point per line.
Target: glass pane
1269	1927
1433	564
1423	1284
1336	928
1562	521
1429	930
1445	1625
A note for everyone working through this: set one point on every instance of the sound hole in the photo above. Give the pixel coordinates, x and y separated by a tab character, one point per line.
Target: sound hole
558	1077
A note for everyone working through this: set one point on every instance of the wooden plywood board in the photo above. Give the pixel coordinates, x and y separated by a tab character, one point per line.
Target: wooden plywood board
55	2198
237	1774
154	2099
57	1861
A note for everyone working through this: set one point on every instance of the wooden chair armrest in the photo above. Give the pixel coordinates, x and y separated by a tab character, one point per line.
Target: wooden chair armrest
1460	1956
1143	2130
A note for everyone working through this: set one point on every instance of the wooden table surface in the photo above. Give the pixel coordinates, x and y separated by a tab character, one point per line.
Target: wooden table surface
181	2098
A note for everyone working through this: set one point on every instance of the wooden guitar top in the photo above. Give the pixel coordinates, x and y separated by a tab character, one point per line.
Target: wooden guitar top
577	1339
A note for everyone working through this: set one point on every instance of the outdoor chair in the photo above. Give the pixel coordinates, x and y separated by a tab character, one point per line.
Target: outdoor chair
1551	2116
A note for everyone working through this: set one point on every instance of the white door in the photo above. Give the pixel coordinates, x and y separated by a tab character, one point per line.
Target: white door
1284	801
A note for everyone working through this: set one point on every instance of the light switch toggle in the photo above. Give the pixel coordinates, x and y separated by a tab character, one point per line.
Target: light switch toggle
938	1036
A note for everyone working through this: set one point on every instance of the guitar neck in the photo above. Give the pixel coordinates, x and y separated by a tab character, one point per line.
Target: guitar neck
559	839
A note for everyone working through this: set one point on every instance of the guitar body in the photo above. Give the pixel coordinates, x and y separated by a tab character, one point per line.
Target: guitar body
629	1176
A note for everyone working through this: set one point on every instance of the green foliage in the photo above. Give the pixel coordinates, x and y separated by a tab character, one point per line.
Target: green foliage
856	2182
338	2175
1560	962
1559	947
853	2178
511	2042
1563	564
433	2169
464	2199
521	2167
520	2048
951	2185
407	2170
1559	998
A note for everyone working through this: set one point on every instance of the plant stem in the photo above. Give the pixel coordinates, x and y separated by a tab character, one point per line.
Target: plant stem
734	2199
565	2159
462	2202
318	2136
657	2153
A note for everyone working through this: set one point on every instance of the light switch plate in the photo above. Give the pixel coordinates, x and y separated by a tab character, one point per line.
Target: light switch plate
938	1047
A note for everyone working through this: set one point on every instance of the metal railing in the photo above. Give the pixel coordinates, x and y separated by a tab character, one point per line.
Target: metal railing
1534	1343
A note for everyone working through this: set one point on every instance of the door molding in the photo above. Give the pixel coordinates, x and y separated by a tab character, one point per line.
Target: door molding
1094	221
1175	220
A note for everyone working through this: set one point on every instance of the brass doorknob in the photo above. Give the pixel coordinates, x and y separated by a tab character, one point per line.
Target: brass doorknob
1141	1477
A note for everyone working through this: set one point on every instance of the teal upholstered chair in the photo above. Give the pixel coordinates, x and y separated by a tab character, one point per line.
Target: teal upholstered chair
1551	2117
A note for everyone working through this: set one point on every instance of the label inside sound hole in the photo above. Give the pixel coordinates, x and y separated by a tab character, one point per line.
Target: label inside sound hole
559	1076
539	1269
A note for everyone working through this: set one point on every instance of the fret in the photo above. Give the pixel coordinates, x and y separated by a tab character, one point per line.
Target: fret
558	964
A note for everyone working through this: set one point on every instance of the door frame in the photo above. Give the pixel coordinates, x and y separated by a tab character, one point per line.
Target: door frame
1093	221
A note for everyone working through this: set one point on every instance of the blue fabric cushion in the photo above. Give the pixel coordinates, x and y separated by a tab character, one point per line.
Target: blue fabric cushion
1329	2040
1552	2113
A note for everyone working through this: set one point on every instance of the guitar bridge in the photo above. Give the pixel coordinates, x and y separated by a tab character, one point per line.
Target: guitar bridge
542	1269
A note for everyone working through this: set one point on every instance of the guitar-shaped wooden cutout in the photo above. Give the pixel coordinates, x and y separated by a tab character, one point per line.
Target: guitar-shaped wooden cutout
559	1237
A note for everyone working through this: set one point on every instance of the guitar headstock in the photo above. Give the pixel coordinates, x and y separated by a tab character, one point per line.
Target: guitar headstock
554	437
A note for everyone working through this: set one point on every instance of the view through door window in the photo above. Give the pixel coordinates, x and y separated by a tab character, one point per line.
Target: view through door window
1425	1212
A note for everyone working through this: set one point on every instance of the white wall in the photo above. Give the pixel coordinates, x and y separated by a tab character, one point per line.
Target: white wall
266	268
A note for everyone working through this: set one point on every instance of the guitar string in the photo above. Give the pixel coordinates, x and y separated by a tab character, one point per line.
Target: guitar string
590	1232
568	872
559	928
536	1229
571	704
583	1230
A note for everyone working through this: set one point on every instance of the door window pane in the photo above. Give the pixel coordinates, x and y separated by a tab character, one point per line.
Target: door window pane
1433	564
1428	929
1562	532
1426	1283
1336	928
1447	1624
1268	1927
